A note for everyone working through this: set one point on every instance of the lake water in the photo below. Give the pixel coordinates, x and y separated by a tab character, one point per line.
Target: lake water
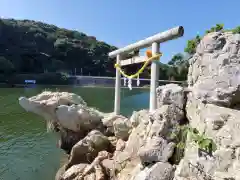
27	151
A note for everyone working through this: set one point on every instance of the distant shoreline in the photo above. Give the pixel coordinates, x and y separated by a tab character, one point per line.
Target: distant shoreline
5	85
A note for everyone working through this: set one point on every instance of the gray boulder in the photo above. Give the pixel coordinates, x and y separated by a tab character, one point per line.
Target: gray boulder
156	150
220	124
87	149
159	171
139	148
171	94
122	128
214	72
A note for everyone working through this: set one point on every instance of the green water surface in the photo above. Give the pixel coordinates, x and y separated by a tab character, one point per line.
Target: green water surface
27	151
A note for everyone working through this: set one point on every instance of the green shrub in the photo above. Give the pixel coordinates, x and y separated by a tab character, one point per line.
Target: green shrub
203	143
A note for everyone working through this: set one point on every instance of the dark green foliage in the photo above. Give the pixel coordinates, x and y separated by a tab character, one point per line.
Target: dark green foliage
29	47
236	30
204	143
6	66
192	44
216	28
179	136
178	67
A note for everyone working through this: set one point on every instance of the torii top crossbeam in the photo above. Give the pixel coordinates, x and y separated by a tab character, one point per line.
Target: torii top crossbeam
158	38
153	41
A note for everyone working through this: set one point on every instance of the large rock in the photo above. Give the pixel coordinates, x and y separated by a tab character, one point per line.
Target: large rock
93	171
214	79
159	171
45	103
220	124
73	172
69	138
156	125
65	109
138	117
122	128
156	149
214	72
171	94
78	117
68	114
117	125
87	149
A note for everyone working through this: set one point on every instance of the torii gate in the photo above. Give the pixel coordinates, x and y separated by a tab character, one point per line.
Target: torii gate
153	41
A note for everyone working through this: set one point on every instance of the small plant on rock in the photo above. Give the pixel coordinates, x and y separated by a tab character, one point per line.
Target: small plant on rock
204	143
236	30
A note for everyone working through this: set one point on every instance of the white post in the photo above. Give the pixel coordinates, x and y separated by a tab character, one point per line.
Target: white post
154	78
117	88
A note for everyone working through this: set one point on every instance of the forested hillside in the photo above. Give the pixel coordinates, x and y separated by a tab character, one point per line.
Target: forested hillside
34	47
30	49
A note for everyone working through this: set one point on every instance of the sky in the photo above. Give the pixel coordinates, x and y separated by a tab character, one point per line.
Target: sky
124	22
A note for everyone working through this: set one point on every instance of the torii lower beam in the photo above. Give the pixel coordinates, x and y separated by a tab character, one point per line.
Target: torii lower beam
153	41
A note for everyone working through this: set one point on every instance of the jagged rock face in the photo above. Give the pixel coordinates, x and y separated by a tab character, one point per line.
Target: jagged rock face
156	149
214	72
93	171
46	103
214	79
87	149
78	117
117	125
147	136
223	126
138	117
73	119
122	127
171	94
159	171
149	142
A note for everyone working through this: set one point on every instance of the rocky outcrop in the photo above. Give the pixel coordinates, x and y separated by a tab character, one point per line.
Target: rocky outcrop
214	72
137	144
222	125
159	171
214	79
69	114
86	150
156	149
191	135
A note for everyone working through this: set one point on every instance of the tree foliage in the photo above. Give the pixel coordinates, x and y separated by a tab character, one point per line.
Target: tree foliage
178	67
6	66
193	43
236	30
216	28
36	47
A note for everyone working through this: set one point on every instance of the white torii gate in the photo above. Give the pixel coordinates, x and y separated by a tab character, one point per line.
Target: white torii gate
153	41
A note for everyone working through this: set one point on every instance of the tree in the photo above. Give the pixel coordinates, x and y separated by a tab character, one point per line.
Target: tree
236	30
176	59
216	28
6	66
192	45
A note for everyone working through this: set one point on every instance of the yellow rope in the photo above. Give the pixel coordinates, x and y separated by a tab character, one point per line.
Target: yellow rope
155	57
